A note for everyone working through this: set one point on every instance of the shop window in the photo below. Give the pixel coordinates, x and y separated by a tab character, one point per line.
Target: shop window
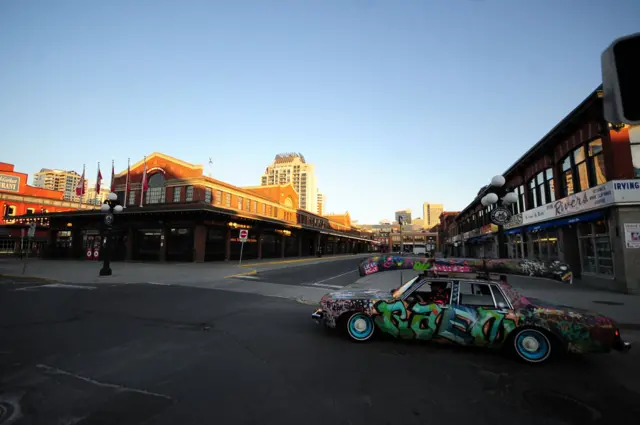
541	189
177	193
157	191
227	200
132	197
218	197
207	195
189	194
515	245
596	163
545	244
634	136
583	168
595	248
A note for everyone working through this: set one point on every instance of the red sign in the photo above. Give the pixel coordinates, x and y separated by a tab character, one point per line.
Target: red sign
244	234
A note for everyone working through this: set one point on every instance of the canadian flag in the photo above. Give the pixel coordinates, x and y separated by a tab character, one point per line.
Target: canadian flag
145	183
98	179
80	189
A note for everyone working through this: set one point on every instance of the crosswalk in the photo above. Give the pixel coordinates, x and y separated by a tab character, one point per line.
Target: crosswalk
305	284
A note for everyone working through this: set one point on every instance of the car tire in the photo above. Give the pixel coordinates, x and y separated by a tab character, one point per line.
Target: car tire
532	345
359	327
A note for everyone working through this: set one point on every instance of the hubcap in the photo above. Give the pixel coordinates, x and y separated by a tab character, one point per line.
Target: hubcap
530	344
360	325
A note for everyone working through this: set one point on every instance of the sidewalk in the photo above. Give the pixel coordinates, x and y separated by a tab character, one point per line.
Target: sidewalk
624	309
79	271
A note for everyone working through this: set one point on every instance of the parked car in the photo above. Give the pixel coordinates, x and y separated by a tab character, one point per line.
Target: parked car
465	301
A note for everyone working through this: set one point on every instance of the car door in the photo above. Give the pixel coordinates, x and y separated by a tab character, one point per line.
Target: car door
424	312
476	315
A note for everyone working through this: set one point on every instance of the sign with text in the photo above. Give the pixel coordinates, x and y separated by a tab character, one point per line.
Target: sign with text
632	235
9	183
244	234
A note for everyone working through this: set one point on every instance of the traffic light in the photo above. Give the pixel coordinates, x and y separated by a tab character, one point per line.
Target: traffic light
621	80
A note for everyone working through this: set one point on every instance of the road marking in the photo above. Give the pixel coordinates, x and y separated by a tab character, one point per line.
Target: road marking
55	371
248	277
252	272
335	277
55	285
327	286
159	283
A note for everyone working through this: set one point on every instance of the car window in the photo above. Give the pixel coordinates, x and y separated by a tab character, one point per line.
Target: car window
475	294
433	291
497	294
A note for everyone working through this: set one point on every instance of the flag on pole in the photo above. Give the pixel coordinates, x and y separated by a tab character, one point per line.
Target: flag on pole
98	180
80	189
145	184
113	177
127	188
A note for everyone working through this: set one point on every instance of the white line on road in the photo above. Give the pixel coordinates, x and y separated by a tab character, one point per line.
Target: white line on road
327	286
55	371
248	277
159	283
55	285
335	277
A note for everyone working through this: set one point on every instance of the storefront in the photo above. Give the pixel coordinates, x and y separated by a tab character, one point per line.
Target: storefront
586	230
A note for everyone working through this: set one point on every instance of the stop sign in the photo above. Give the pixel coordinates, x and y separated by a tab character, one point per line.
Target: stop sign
244	233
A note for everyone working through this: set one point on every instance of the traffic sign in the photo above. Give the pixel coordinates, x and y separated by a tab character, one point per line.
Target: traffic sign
89	256
244	234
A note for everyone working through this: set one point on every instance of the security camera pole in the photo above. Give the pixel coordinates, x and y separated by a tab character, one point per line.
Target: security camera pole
500	215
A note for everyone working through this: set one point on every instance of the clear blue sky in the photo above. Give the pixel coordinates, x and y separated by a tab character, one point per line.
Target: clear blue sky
396	102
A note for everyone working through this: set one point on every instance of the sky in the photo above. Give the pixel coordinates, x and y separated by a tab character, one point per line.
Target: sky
396	102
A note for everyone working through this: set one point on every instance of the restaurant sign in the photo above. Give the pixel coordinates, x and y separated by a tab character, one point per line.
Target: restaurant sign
9	183
613	192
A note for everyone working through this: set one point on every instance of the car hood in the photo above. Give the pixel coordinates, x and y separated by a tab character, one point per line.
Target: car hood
359	294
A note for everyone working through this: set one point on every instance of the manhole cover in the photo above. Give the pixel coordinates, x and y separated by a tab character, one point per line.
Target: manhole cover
6	410
608	302
562	406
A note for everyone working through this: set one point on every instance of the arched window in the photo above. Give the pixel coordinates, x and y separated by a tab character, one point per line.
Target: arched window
156	192
288	202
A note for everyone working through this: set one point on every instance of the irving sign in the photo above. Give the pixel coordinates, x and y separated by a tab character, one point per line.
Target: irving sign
9	183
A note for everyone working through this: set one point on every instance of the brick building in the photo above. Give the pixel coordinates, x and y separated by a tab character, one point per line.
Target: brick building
578	201
18	198
187	216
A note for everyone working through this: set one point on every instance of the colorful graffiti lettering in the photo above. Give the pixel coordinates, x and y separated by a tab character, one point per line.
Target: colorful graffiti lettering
418	321
370	268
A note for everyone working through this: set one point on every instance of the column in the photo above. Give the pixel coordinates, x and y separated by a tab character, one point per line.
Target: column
128	256
199	243
259	242
227	245
283	243
316	243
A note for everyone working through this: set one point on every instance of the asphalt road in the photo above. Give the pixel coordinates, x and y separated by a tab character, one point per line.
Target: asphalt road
329	274
133	354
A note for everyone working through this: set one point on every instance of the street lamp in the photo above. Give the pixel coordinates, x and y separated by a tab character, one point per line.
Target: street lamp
500	215
110	206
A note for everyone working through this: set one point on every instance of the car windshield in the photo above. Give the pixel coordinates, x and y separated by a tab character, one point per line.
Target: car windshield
401	290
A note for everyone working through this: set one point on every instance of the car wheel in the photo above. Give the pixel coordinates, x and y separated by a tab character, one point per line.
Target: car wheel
532	345
360	327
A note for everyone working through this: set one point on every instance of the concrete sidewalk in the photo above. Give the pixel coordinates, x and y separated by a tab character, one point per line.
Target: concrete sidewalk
625	309
79	271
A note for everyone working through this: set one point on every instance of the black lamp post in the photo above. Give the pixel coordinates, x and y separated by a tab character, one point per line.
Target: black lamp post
111	206
500	215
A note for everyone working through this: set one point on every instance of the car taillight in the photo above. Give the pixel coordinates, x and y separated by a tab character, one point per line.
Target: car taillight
617	333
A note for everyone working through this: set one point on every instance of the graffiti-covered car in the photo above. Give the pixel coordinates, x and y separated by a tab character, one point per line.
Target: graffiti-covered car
469	302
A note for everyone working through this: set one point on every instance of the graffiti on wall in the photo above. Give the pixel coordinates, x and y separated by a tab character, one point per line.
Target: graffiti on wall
556	270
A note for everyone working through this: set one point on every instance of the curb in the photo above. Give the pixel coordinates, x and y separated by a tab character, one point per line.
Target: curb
300	260
31	278
252	272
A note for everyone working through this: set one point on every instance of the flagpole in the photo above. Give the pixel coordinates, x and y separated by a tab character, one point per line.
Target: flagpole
81	187
142	184
126	185
98	182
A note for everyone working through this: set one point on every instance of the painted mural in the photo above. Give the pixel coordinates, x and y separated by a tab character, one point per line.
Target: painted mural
556	270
